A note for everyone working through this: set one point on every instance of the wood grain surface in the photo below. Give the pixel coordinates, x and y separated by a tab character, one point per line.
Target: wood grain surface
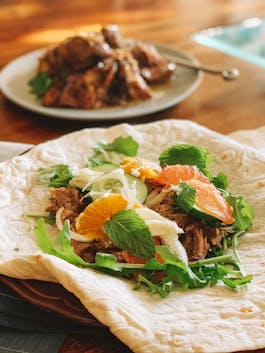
217	104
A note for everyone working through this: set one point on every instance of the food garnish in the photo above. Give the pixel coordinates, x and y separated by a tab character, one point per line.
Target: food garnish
164	226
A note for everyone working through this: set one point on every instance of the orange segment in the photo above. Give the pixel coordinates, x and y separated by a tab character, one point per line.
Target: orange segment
91	221
210	201
175	174
139	167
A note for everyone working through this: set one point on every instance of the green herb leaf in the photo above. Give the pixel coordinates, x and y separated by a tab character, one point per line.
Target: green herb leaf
186	198
40	84
243	212
185	154
128	231
55	176
65	250
162	289
50	219
125	145
220	181
95	161
177	271
106	261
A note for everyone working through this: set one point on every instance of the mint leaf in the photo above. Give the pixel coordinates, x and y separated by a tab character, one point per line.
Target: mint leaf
243	212
128	231
220	181
55	176
40	84
125	145
185	154
65	250
186	198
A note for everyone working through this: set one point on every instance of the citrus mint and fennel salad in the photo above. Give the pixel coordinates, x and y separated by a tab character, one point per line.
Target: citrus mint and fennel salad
164	225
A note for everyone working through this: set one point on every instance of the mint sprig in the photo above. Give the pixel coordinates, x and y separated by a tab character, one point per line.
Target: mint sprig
126	145
186	198
129	232
185	154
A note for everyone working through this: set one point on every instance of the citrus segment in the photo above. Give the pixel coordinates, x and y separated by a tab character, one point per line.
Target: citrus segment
210	201
177	173
140	168
91	221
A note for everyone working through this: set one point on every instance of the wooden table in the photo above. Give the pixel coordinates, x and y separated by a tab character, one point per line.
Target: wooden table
223	106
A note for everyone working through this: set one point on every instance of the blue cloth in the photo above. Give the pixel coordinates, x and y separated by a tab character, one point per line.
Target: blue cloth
27	329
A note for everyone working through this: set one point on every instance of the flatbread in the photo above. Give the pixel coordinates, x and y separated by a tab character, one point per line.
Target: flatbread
205	320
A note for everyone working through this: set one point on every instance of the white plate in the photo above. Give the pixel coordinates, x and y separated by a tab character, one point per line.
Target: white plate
15	76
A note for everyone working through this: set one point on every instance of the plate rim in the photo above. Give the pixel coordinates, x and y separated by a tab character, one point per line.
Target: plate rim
95	114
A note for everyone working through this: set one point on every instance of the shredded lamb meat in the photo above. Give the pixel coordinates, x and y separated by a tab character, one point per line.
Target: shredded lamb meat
70	199
101	69
88	250
198	236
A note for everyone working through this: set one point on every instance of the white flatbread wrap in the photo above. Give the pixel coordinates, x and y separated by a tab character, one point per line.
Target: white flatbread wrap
214	319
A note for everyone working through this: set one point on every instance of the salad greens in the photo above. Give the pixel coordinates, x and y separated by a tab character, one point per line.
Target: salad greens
243	212
161	277
55	176
40	84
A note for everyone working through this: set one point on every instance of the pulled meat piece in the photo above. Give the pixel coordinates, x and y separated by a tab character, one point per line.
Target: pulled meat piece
129	73
70	199
113	36
154	68
88	90
88	250
74	53
198	236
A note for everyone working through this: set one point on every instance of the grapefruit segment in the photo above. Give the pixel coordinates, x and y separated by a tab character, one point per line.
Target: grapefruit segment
210	201
175	174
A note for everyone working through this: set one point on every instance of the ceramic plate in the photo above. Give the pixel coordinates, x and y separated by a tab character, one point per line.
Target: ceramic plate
15	76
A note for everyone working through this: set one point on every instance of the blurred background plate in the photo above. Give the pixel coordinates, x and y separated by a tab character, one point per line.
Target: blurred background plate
15	76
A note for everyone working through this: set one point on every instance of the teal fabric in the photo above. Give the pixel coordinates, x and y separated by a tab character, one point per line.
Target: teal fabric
27	329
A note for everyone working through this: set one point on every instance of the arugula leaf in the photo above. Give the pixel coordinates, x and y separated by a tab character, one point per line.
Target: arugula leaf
185	154
125	145
106	261
220	181
186	198
65	250
40	84
243	212
162	289
55	176
177	271
50	219
129	232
